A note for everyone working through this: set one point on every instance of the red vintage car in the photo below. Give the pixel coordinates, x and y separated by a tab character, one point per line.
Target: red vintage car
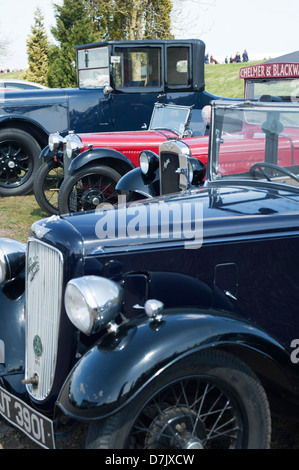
85	168
241	150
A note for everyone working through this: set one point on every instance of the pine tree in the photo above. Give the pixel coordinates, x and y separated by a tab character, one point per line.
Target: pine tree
38	51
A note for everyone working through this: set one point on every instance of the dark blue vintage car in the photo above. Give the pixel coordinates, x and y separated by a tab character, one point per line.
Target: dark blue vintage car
119	82
169	323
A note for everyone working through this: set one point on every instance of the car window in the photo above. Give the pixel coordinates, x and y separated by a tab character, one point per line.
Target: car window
20	86
137	67
177	66
286	89
93	67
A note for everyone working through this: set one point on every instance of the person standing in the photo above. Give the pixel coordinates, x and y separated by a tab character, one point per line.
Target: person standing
245	56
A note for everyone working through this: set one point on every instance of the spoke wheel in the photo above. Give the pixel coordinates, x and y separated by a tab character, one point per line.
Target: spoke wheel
88	188
210	401
19	159
46	186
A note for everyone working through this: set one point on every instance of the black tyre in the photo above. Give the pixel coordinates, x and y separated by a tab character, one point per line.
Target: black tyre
46	186
19	161
210	400
86	189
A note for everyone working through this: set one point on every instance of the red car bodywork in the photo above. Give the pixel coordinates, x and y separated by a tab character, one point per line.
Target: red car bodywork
129	144
252	144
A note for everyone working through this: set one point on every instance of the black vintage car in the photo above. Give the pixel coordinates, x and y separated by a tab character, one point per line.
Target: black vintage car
170	323
118	84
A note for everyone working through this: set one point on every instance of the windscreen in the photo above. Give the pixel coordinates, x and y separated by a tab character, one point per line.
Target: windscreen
256	142
174	118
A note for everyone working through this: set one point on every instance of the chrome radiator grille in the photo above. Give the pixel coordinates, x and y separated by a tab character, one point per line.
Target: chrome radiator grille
169	179
173	156
44	276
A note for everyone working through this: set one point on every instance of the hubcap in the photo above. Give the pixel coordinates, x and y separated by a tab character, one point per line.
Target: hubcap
11	164
177	428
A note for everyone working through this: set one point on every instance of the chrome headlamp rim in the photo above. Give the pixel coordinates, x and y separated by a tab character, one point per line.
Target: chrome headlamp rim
73	144
190	170
92	302
12	259
198	171
148	162
55	141
3	267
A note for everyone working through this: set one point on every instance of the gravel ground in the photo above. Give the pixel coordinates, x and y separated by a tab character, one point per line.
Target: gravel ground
12	438
285	436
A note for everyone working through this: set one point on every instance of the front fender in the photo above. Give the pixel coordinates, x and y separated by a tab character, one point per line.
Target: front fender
20	119
136	182
113	372
98	154
46	154
12	335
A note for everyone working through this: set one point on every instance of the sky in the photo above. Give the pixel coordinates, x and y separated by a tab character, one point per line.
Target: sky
265	28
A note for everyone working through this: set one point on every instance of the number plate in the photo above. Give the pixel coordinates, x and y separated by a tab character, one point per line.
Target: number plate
33	424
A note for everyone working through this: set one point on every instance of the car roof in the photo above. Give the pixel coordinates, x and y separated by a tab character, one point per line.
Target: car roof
10	82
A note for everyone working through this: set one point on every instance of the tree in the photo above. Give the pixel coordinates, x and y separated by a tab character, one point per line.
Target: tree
38	51
73	26
86	21
2	47
124	19
5	43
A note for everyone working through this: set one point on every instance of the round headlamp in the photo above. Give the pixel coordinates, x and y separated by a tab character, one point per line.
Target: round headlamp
148	162
197	171
12	259
73	144
55	142
190	171
92	302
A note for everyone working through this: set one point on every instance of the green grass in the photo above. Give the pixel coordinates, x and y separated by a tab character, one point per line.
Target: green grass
14	75
223	79
18	213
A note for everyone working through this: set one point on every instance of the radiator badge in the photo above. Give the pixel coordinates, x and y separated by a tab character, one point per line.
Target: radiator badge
37	346
33	267
166	163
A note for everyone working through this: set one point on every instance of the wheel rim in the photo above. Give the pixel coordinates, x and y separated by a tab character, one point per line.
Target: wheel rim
193	413
16	164
51	185
90	191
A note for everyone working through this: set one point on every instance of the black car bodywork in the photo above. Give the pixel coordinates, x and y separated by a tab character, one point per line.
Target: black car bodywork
119	82
169	323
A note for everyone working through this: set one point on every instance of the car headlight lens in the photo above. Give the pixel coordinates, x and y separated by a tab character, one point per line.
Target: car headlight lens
12	259
148	162
198	171
92	302
73	144
190	171
55	142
